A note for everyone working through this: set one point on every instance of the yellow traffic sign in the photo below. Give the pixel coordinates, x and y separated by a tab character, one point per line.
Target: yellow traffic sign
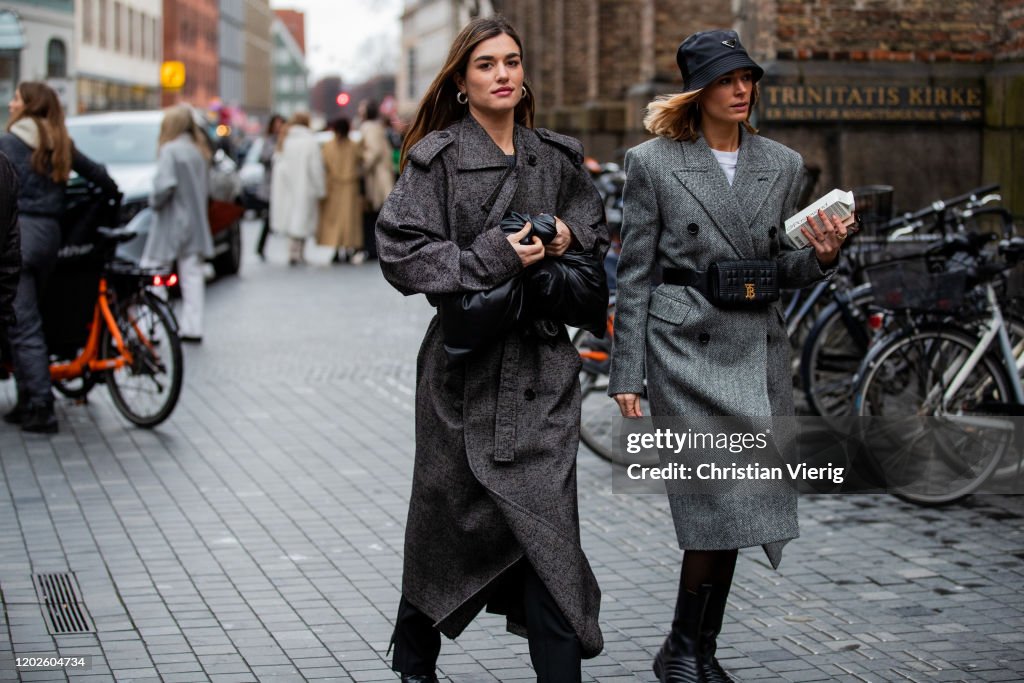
172	75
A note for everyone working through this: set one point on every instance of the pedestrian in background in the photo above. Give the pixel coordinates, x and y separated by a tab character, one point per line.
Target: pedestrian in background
10	248
341	225
42	153
706	191
297	186
378	178
493	518
267	150
180	199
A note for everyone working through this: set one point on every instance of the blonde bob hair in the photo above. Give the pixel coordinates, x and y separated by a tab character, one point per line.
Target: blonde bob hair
678	116
177	121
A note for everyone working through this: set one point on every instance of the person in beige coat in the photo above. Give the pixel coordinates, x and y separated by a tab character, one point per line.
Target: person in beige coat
378	176
341	210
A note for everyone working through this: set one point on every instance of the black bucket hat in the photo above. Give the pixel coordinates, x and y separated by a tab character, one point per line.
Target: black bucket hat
706	55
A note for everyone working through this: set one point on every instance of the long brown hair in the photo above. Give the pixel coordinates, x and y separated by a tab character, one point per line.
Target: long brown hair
677	117
438	108
177	120
52	157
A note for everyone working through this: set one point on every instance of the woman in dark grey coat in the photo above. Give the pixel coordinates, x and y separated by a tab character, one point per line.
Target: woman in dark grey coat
493	517
708	190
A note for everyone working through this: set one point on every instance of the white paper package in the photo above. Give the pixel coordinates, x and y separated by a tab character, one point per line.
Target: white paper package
835	203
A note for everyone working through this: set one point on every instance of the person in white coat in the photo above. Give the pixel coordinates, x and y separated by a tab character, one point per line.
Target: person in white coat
180	198
297	185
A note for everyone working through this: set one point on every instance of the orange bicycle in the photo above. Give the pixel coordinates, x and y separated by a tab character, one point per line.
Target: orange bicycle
105	325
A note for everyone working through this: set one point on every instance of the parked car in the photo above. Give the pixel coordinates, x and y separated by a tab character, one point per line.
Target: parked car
126	142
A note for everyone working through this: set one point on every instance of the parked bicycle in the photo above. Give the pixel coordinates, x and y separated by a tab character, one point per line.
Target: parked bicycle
850	320
105	325
960	370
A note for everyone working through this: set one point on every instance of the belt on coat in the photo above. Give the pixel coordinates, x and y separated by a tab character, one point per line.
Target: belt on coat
687	277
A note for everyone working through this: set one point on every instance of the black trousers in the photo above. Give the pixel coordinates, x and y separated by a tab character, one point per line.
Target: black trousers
370	233
554	646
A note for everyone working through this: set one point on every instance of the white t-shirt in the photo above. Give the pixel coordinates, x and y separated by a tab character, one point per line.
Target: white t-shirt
727	160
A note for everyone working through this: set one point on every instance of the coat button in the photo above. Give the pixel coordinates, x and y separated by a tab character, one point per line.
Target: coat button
693	228
704	338
772	232
529	394
532	160
443	134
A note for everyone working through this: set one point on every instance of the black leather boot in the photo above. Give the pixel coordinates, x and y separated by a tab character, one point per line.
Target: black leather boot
419	678
711	625
678	661
39	418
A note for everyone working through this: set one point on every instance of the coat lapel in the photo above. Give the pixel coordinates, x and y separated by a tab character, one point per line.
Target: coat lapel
476	148
704	179
480	156
756	175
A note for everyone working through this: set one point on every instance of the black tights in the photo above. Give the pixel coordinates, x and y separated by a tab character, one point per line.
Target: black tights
713	567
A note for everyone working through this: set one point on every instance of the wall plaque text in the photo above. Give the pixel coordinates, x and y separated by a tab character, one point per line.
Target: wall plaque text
882	103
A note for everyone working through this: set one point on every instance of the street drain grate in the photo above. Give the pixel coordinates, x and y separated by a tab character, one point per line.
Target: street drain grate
63	607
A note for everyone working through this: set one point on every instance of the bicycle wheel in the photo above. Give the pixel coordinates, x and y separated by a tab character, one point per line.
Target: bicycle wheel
146	390
832	352
931	455
598	411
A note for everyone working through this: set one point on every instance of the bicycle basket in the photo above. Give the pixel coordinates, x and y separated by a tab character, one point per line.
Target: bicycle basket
922	284
67	302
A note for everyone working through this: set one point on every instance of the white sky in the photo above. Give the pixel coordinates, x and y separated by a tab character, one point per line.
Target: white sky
353	39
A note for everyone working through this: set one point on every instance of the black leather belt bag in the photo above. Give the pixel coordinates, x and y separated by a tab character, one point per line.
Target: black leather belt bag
731	284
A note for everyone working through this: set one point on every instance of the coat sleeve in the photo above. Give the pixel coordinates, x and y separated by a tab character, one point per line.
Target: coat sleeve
797	267
166	179
416	255
10	242
580	208
93	172
641	230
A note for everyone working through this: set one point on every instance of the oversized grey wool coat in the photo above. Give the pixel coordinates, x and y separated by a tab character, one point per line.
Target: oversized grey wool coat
680	212
494	479
181	192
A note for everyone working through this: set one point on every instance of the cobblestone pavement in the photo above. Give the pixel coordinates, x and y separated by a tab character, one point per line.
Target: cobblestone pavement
257	535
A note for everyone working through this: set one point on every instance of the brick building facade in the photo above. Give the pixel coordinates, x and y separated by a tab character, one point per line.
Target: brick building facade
922	95
190	36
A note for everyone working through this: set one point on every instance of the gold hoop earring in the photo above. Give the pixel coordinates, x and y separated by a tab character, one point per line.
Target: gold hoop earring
461	97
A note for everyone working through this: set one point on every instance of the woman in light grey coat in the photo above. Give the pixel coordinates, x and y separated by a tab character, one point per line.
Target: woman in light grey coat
181	229
493	517
708	190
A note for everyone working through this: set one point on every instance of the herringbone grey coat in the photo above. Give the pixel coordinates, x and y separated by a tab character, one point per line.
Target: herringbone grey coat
700	360
496	438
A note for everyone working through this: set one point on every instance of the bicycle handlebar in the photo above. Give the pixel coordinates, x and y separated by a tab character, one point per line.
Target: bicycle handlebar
939	206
